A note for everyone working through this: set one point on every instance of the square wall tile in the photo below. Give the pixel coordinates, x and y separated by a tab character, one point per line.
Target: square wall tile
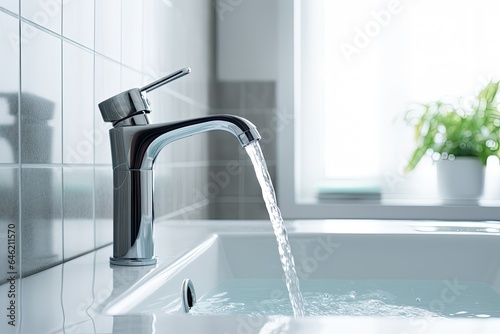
108	28
193	38
229	94
9	193
225	210
182	192
9	128
12	5
9	89
44	13
130	78
78	211
256	211
9	220
103	203
107	84
107	79
41	206
156	34
131	34
78	105
41	99
78	22
259	94
226	177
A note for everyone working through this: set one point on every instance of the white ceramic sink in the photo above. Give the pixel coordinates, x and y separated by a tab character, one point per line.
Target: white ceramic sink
87	295
456	257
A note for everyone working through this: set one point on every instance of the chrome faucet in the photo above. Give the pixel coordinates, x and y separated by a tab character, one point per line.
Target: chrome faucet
135	144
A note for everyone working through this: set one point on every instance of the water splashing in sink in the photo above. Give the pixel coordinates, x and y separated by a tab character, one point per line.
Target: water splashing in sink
292	281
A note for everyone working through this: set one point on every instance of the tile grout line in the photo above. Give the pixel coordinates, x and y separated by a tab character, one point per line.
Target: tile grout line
62	204
8	12
94	195
61	96
19	148
20	183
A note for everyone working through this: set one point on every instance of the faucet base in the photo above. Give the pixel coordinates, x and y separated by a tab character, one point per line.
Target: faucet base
132	262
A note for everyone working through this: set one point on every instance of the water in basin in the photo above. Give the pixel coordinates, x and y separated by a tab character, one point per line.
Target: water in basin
342	270
387	298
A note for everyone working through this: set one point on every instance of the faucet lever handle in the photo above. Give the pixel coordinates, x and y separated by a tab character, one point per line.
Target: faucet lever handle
132	105
171	77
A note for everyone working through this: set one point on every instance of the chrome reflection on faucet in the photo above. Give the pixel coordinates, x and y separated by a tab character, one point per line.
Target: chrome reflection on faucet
135	144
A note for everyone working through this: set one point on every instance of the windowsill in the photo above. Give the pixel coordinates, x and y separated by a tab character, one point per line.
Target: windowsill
391	209
401	202
369	192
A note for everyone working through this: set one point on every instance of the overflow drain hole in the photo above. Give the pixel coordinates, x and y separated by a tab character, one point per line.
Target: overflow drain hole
188	295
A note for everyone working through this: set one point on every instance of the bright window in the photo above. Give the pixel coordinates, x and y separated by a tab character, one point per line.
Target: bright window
358	66
378	58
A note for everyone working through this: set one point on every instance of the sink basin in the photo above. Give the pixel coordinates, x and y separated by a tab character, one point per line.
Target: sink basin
421	270
421	277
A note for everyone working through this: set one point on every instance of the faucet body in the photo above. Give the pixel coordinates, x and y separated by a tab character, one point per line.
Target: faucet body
135	144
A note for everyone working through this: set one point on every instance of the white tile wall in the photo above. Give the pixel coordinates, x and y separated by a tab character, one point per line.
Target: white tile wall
9	89
78	105
43	13
55	161
78	22
60	59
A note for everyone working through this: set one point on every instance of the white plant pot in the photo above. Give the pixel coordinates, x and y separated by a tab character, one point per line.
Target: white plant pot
460	180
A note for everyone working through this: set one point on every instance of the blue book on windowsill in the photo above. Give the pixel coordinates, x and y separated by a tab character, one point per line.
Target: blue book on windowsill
349	190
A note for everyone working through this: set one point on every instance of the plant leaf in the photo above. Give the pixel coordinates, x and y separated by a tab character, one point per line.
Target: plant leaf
489	92
415	158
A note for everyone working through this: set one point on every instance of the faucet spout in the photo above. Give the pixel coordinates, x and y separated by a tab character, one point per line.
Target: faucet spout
136	147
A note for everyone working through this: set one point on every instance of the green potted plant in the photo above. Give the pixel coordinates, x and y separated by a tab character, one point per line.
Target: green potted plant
460	135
